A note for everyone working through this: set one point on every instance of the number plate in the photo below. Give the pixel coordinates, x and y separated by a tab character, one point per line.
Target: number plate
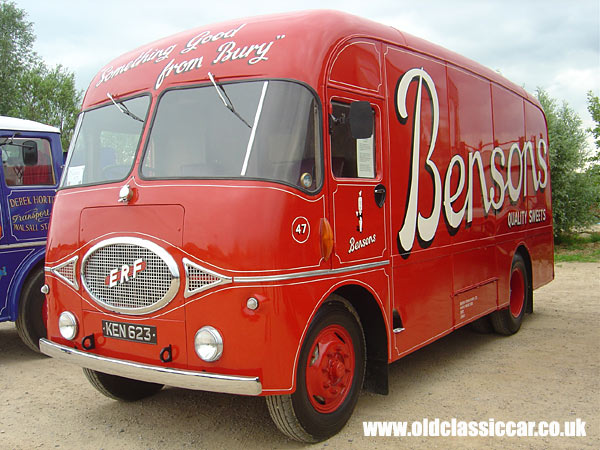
129	332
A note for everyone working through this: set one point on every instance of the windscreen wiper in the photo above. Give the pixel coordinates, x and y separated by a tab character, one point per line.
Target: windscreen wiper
225	99
123	108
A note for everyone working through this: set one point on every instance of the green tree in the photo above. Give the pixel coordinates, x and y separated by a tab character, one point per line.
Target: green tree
594	167
30	89
594	109
49	96
573	191
16	52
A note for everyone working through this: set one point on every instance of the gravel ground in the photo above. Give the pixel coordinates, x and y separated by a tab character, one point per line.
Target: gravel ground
549	371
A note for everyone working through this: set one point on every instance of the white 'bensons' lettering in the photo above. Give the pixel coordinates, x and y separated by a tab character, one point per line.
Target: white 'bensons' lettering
501	168
426	225
356	245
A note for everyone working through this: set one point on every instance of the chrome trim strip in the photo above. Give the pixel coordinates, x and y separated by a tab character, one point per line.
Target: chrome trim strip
158	250
55	271
187	379
23	244
189	292
311	273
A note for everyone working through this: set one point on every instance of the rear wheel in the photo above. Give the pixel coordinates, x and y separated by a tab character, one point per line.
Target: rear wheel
31	321
329	376
507	321
119	388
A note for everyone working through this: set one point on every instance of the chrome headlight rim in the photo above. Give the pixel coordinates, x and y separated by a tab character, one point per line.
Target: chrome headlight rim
67	325
208	337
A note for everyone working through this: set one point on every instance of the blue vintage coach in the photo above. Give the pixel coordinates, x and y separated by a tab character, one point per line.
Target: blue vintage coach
31	165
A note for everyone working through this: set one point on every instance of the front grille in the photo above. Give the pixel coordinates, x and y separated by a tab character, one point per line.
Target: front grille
198	279
66	271
130	275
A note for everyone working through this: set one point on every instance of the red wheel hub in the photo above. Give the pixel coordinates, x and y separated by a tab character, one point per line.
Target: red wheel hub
517	292
330	368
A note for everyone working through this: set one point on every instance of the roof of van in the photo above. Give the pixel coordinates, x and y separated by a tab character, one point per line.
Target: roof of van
15	124
288	45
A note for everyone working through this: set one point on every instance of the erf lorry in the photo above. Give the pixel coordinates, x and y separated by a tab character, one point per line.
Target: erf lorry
282	206
31	164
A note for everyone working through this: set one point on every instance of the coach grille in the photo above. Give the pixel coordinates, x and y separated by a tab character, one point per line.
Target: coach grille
198	278
66	271
130	275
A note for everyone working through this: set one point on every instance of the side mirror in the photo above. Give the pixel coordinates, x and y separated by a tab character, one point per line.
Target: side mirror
361	120
30	153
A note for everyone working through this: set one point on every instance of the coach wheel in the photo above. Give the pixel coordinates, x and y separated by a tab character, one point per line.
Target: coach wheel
119	388
329	376
31	321
508	321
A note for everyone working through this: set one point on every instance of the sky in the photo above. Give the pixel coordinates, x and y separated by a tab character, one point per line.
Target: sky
551	44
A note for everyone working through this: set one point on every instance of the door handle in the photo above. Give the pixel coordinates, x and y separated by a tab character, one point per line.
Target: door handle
380	193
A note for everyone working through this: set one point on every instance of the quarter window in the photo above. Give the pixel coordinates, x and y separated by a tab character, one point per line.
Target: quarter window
350	157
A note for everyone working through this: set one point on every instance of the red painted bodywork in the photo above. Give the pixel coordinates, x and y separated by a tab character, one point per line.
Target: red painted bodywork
245	228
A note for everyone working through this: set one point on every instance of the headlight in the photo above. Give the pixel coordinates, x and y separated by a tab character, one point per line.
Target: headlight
67	325
208	344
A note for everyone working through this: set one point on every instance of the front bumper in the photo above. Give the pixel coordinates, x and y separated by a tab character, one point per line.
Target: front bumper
187	379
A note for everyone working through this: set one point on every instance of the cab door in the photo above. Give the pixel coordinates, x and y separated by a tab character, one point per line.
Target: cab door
358	184
27	187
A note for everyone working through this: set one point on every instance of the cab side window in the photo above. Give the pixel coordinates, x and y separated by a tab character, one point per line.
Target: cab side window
27	162
350	157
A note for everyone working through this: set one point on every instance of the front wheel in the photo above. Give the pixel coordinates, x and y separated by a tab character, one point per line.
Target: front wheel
329	377
507	321
31	321
119	388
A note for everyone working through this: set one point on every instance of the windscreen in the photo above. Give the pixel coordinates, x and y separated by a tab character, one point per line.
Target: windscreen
105	142
265	130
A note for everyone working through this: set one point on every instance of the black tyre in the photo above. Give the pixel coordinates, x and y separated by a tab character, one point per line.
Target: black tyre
119	388
329	376
31	321
507	321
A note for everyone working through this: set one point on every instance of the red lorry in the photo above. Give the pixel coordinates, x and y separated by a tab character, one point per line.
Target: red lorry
284	205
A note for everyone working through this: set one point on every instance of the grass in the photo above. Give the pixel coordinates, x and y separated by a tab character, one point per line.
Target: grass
581	247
